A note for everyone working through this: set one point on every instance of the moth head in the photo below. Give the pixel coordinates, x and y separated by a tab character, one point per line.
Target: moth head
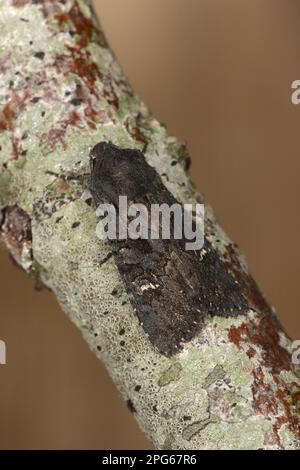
99	152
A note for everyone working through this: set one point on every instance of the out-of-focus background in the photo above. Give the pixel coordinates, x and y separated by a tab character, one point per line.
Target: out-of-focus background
218	73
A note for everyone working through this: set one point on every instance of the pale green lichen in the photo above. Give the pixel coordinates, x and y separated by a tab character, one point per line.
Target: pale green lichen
6	193
171	374
5	145
194	428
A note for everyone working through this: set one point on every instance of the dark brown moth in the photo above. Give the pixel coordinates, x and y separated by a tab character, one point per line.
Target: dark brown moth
171	289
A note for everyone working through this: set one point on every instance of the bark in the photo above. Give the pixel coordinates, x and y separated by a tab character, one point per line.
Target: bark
232	384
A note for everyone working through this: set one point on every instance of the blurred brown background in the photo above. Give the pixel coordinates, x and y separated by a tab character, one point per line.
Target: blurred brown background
218	72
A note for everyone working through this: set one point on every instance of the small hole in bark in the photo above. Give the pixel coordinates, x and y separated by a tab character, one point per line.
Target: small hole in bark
76	102
187	418
39	55
131	406
75	224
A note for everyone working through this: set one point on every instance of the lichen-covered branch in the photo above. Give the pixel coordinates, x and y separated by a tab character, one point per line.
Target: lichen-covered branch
232	384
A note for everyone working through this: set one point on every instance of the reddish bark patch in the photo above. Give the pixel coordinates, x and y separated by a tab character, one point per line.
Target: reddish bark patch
109	92
251	352
56	136
17	222
93	116
62	185
79	63
263	398
9	114
274	398
284	405
12	109
265	334
238	335
291	404
20	3
247	283
4	62
48	7
79	23
296	398
134	129
138	135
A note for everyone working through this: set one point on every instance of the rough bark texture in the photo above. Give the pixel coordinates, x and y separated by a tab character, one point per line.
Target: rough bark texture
173	290
233	385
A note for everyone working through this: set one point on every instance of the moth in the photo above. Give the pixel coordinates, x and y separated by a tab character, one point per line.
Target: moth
172	290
